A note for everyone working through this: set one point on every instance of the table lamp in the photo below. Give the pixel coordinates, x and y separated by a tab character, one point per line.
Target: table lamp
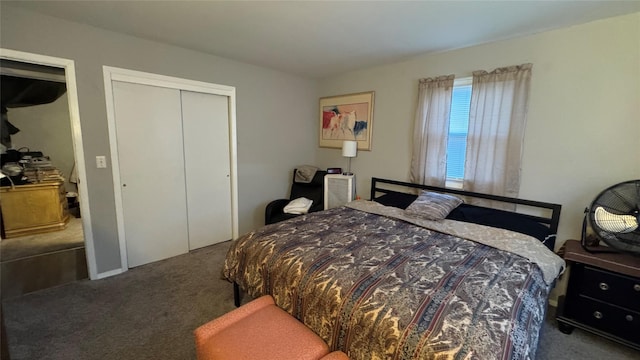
349	150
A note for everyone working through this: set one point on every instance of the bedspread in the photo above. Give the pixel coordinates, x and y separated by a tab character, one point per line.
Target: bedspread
378	287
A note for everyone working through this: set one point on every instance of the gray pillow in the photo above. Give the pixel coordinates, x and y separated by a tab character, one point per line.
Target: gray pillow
433	206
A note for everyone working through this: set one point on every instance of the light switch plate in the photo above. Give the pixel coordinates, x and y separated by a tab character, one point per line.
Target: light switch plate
101	162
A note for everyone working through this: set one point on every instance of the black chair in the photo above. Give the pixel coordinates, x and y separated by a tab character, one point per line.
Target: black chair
313	190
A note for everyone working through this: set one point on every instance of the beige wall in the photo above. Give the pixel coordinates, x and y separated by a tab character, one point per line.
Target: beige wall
46	128
583	128
276	119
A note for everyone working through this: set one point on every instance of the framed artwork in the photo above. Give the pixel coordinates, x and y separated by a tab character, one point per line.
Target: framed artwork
346	117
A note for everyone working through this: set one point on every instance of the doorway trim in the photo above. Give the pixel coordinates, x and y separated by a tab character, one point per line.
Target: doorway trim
143	78
76	136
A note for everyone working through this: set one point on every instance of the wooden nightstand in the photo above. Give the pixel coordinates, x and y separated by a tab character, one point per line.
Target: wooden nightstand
603	295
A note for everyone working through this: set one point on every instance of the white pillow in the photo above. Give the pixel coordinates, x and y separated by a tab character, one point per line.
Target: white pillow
298	206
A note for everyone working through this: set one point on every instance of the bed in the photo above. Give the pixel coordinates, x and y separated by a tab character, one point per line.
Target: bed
378	280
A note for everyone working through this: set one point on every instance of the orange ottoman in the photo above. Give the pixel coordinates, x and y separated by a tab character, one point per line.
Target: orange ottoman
260	330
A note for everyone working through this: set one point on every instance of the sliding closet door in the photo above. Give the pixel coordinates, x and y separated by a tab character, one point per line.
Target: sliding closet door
151	163
205	124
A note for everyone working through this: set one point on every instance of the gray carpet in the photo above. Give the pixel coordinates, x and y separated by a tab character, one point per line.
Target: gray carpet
150	312
29	245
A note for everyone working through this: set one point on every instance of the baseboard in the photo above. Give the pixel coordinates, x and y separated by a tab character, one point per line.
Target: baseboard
109	273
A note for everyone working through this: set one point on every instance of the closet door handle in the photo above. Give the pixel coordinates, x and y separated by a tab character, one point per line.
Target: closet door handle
124	185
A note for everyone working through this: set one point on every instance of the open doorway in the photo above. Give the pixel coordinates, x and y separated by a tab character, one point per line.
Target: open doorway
45	224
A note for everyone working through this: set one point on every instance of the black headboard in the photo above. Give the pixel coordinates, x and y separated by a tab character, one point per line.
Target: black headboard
385	186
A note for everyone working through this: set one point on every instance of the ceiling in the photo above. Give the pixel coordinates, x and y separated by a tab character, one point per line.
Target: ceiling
324	38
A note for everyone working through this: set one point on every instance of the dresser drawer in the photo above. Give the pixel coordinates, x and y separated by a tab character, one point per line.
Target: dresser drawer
610	287
614	320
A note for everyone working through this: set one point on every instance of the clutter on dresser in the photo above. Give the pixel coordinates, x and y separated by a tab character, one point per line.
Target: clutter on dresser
40	169
24	166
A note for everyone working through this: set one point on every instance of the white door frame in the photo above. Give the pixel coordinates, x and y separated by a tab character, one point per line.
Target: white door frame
137	77
76	135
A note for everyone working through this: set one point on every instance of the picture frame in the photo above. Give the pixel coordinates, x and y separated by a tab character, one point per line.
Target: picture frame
346	117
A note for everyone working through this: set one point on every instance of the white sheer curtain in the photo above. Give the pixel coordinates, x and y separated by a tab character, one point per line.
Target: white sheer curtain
495	139
431	131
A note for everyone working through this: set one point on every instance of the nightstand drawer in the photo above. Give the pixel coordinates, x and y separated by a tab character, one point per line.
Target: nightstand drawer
614	320
613	288
603	294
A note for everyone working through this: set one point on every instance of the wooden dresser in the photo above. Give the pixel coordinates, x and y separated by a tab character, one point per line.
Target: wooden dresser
603	294
34	208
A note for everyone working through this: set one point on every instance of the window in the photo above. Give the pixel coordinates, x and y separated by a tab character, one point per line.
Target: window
458	128
479	147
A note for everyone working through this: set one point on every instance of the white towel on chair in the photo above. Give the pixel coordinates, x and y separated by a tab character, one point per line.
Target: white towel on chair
298	206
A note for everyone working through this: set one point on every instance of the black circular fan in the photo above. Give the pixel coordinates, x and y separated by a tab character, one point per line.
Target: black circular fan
614	216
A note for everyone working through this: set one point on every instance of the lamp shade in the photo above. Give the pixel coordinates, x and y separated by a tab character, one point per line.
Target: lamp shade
349	148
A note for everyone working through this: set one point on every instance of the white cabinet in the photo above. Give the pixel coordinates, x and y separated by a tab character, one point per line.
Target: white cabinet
174	164
207	167
151	167
338	190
